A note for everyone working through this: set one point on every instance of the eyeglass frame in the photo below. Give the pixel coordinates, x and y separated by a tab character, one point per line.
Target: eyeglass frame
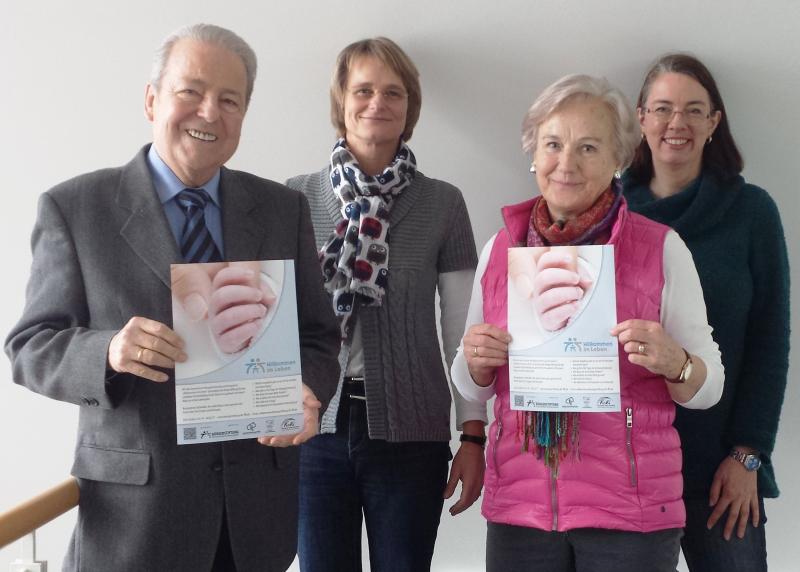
391	95
690	119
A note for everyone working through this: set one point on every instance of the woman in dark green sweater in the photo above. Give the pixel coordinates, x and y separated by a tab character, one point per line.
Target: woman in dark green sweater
686	174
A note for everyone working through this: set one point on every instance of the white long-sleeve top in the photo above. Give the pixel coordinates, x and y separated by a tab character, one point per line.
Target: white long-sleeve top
683	316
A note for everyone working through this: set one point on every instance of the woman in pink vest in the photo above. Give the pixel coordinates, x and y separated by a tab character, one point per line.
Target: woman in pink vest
588	491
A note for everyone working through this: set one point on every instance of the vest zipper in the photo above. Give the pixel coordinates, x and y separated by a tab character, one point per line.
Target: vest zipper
629	443
554	498
496	443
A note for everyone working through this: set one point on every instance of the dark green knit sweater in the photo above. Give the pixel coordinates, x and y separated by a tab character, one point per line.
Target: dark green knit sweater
735	235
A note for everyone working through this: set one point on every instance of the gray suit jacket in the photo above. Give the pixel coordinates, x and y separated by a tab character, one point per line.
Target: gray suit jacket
101	254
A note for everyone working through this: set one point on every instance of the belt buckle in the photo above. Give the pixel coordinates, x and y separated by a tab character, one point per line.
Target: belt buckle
355	380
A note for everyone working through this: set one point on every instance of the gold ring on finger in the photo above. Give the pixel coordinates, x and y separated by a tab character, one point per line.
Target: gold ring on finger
139	354
643	348
475	351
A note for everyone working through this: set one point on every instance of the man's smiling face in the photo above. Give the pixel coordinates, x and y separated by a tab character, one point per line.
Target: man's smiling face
197	109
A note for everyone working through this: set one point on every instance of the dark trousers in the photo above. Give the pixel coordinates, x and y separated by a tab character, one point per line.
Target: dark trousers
223	559
522	549
708	551
396	486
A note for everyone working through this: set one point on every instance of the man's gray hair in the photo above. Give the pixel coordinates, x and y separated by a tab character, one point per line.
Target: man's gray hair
625	126
210	34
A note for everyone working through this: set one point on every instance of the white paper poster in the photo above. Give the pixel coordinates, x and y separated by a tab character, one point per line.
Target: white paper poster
242	378
561	307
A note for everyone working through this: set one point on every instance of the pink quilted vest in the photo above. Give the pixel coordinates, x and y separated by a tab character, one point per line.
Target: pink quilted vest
628	476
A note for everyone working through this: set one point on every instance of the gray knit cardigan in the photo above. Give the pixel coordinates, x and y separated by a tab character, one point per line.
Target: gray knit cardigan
408	395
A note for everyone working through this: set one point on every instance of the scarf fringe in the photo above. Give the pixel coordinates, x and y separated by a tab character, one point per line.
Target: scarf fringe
551	436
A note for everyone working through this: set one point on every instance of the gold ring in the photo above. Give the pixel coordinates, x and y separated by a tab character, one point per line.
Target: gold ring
139	354
475	351
643	348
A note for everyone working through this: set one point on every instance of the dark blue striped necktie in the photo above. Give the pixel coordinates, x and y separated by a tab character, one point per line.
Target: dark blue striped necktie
196	242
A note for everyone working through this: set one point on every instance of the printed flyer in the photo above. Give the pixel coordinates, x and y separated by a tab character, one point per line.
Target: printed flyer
242	378
561	307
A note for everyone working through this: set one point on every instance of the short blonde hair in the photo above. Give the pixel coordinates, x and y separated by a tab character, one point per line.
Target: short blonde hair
570	87
391	55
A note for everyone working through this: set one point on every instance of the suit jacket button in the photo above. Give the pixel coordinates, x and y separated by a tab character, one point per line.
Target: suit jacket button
216	467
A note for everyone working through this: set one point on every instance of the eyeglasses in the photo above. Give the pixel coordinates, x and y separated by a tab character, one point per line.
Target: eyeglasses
691	115
391	95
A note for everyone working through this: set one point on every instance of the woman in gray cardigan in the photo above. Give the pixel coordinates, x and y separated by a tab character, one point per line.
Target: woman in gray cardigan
389	237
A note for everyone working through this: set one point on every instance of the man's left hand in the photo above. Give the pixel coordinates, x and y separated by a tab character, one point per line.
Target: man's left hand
468	467
311	407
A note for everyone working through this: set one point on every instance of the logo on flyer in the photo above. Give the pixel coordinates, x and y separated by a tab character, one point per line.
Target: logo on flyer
605	402
255	366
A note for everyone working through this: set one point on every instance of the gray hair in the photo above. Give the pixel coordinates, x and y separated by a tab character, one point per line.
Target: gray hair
625	126
210	34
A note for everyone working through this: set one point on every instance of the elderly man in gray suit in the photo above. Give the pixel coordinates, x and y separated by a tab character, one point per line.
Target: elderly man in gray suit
95	329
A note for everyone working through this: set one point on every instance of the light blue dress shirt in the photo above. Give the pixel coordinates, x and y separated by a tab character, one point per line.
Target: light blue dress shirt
168	185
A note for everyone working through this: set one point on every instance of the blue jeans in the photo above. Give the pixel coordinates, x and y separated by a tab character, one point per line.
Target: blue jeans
521	549
708	551
397	486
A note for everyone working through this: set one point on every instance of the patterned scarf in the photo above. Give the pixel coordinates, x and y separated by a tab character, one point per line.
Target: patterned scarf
355	260
554	435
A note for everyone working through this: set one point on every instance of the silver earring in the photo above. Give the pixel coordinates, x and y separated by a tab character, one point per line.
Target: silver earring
533	167
617	174
709	140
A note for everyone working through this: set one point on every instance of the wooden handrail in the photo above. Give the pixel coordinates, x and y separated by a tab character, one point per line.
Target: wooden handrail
38	511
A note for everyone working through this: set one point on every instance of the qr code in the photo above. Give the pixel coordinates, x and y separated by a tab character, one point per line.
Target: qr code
519	400
189	433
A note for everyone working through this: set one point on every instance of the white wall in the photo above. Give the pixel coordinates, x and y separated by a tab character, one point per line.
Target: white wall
72	92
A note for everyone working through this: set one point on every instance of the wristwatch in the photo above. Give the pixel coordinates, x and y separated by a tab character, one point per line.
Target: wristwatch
686	370
477	439
751	461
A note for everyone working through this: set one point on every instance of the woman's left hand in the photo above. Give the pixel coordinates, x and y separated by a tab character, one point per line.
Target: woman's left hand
734	489
648	345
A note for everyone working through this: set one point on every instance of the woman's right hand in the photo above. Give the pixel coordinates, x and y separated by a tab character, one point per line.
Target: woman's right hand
485	348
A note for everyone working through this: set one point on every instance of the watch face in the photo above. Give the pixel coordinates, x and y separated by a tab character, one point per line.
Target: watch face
752	462
686	373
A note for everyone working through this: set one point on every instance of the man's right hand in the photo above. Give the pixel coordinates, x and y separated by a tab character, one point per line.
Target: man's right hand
143	343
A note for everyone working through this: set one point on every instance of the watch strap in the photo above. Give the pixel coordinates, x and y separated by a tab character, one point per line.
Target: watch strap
477	439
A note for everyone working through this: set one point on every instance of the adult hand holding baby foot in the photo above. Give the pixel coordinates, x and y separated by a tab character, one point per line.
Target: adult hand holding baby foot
559	286
553	280
238	303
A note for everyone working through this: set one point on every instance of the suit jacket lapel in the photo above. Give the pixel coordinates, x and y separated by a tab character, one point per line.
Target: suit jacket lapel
242	228
145	227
